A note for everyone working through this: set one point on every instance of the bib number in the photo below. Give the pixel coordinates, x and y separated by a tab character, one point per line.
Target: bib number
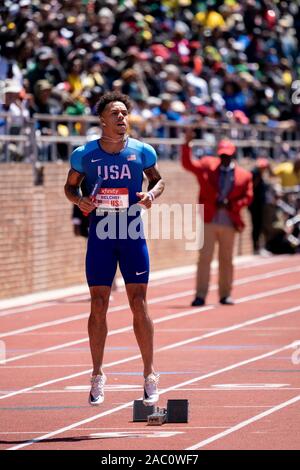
112	199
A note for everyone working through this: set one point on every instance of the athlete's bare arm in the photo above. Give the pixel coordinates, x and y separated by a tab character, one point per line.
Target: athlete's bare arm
155	184
72	185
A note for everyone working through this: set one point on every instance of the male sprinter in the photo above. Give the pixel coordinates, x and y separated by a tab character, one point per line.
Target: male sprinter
121	162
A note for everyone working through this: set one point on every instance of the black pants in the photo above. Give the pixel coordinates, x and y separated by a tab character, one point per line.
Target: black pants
257	227
279	245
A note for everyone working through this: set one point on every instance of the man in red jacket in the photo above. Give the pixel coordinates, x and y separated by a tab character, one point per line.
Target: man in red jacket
225	188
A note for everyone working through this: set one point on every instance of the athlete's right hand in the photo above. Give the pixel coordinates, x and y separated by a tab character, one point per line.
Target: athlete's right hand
145	200
86	205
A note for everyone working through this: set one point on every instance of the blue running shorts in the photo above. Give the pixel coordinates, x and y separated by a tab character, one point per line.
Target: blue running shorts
103	257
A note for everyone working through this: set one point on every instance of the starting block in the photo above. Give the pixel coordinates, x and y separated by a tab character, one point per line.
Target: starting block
140	411
177	411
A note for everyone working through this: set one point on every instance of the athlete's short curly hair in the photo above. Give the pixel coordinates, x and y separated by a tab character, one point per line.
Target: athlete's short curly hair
110	97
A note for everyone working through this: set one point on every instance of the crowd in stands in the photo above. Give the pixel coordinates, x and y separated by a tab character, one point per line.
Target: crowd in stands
218	60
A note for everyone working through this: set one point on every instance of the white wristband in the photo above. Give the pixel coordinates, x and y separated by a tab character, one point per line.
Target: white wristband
151	195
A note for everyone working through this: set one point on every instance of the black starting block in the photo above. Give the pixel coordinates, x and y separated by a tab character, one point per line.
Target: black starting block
140	411
177	411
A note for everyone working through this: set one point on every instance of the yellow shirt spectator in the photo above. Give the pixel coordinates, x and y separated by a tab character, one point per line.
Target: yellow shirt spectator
288	174
211	19
76	84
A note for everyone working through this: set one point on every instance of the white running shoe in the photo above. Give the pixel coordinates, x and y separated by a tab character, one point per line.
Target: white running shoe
97	390
151	390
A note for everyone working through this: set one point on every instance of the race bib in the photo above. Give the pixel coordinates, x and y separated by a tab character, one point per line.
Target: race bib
112	199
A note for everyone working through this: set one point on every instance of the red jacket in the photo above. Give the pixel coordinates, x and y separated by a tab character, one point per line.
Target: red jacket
207	171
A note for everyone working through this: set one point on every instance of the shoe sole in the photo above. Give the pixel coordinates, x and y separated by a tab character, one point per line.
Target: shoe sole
96	403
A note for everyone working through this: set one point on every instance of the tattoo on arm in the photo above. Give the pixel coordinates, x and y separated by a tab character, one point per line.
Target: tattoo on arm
72	185
156	183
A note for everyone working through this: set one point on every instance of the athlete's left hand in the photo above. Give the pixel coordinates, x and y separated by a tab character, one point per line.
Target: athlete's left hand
145	200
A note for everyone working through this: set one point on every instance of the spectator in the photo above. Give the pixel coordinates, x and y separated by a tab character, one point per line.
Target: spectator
75	77
95	76
225	188
9	68
45	103
45	69
210	18
288	173
235	98
165	113
16	104
276	230
42	103
133	85
257	205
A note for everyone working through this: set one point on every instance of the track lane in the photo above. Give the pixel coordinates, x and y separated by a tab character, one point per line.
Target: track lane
189	354
179	329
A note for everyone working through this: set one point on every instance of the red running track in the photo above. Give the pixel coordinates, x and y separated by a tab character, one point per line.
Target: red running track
237	365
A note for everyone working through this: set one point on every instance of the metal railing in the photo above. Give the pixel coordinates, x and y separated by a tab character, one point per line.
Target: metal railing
39	138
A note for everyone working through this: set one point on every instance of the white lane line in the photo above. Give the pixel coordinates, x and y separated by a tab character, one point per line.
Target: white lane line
82	289
69	300
164	348
106	428
23	432
18	305
243	424
237	326
29	308
261	294
138	434
193	389
155	300
45	366
166	318
85	315
44	325
166	426
162	392
242	262
108	387
250	386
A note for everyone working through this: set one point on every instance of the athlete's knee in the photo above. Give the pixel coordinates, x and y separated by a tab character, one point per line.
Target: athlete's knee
137	303
99	305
